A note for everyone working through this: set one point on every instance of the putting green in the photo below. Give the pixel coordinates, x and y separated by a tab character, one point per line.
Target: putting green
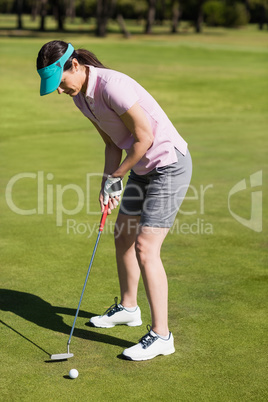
214	89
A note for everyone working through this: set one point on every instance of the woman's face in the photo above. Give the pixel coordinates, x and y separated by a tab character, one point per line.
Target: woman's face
74	80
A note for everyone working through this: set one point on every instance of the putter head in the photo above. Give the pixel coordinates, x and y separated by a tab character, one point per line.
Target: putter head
61	356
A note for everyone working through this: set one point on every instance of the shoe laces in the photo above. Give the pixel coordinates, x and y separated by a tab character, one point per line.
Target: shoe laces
148	339
114	308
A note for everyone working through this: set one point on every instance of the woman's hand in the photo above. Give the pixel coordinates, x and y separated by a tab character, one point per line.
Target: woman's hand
113	187
113	203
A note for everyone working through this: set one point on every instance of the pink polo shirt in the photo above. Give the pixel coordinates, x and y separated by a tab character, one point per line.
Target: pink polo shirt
110	94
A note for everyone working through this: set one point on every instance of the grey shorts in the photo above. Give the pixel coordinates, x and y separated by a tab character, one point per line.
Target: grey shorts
157	196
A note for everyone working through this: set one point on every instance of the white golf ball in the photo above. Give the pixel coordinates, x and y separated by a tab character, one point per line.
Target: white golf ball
73	373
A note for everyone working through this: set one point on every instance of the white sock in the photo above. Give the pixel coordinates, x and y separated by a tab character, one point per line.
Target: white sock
165	338
130	309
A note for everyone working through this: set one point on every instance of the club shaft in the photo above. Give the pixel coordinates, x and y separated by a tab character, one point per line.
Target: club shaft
103	219
88	271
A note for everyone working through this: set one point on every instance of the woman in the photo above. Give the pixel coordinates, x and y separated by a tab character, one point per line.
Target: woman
128	118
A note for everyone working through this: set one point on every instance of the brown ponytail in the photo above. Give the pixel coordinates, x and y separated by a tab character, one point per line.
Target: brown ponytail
84	56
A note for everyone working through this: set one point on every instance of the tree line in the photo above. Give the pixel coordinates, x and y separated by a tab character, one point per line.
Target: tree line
229	13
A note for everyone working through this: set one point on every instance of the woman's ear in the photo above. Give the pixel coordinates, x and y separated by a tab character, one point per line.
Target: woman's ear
75	64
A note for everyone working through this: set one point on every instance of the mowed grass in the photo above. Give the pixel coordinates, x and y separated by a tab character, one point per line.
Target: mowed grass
214	89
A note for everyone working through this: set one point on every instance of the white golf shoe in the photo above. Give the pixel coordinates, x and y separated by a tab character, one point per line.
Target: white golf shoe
150	346
117	315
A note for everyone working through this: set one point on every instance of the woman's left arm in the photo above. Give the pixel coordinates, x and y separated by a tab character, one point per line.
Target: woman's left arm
137	123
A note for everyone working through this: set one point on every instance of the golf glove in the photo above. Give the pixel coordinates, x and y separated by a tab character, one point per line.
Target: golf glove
113	187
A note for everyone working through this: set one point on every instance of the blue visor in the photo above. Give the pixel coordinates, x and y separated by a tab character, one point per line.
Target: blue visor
51	75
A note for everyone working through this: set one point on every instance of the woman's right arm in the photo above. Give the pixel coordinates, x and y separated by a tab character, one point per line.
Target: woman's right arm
113	156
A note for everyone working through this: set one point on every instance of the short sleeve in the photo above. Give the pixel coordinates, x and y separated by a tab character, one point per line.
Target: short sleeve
120	94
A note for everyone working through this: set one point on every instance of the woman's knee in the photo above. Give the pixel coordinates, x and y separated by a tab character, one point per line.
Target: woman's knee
148	244
143	251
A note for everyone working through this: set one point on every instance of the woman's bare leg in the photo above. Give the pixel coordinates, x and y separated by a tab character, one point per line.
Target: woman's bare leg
126	229
148	246
138	250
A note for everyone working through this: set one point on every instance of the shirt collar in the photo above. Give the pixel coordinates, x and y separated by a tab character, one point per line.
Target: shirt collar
92	81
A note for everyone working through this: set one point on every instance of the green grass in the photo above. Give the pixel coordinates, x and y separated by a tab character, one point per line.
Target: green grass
214	89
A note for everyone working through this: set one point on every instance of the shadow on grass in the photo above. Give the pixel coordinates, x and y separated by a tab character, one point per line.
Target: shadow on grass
24	337
34	309
36	33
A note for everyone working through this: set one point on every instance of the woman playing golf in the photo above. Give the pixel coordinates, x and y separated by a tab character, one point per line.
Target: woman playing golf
128	118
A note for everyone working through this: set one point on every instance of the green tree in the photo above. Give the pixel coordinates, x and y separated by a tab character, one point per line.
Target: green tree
214	11
59	12
226	13
175	15
71	9
43	14
262	11
150	16
19	9
194	10
105	10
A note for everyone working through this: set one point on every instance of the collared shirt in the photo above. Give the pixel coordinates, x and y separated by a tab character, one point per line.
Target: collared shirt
109	94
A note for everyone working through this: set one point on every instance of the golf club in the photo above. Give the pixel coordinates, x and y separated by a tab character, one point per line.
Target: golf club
63	356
